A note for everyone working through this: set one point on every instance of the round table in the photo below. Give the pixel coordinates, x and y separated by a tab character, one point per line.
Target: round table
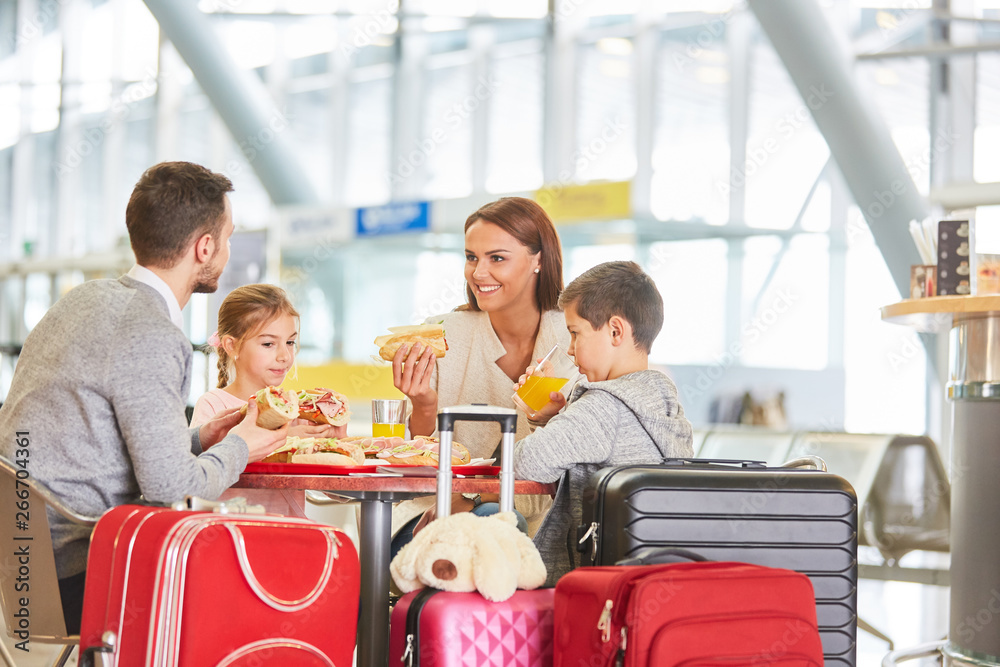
377	494
973	323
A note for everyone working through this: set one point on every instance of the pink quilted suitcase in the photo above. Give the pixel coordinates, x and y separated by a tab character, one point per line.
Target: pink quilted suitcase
435	628
432	627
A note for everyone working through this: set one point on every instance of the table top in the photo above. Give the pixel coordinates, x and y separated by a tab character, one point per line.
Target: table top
935	314
416	485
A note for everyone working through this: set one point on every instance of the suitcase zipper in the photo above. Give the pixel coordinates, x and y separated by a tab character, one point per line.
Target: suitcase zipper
411	656
592	532
604	622
620	655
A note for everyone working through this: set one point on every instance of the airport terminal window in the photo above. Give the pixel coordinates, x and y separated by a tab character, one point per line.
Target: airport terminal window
577	259
445	133
884	366
7	252
691	277
138	37
38	292
786	325
784	151
899	89
43	228
194	126
514	155
97	43
140	139
368	143
92	212
10	104
439	285
250	202
308	118
987	158
605	132
691	138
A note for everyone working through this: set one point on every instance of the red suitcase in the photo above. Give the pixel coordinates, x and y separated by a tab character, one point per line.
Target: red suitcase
432	627
703	614
168	587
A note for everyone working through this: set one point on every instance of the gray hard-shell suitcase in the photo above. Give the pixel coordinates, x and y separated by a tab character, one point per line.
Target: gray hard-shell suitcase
803	520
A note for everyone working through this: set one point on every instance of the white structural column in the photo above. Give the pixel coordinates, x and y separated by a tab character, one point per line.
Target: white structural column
560	107
239	97
858	139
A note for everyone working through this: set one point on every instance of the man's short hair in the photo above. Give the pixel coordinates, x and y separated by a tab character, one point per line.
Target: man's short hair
172	204
622	289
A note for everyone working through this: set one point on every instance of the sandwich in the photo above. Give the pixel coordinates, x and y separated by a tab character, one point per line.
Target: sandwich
429	335
276	407
422	451
325	451
323	406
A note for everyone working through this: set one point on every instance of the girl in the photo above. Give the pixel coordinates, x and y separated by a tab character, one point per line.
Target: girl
256	343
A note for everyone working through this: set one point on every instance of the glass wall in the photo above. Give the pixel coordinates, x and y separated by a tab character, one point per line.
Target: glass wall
739	213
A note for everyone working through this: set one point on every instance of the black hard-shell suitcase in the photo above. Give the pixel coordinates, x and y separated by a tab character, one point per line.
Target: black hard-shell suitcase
803	520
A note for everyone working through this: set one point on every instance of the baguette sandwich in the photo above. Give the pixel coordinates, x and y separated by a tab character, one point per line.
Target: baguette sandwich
323	406
326	451
429	335
276	407
421	451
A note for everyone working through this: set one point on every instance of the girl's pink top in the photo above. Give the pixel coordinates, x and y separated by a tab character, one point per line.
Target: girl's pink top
211	403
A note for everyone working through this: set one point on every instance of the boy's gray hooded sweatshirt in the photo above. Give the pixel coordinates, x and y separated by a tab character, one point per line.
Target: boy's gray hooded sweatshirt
633	419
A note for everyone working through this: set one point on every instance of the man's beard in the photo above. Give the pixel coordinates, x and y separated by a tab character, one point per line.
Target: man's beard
207	281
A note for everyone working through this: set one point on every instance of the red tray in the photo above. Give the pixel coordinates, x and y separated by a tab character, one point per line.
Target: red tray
319	469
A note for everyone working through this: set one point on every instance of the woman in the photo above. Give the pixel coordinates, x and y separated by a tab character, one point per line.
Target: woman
513	274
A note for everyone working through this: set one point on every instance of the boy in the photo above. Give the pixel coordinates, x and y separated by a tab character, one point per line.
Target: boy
624	413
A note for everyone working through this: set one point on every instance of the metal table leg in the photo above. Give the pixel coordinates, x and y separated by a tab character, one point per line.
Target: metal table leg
373	627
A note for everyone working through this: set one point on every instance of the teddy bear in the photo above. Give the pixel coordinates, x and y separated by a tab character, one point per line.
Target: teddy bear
464	552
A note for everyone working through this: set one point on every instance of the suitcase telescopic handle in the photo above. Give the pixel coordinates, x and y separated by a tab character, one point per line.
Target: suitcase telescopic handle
661	555
507	418
733	463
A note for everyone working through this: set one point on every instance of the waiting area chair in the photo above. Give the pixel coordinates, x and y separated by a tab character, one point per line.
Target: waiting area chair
28	529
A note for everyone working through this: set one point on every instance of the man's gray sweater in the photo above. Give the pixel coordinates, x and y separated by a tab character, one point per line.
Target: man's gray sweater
633	419
100	387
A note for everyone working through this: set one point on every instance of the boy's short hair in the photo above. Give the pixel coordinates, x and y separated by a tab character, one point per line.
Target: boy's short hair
622	289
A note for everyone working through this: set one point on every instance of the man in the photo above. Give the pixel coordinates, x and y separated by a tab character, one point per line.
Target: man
103	379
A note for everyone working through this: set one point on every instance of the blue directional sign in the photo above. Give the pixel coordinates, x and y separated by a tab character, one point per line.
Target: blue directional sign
396	218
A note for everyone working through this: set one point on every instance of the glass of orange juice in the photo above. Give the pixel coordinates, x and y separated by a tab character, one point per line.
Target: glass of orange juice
389	417
553	373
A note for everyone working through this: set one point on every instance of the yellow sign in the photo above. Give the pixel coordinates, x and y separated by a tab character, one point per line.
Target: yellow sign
582	203
359	382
